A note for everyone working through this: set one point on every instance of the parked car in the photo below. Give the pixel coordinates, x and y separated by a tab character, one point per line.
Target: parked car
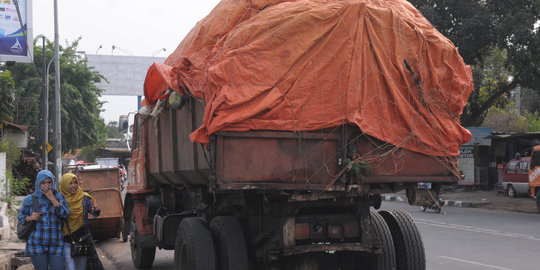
516	176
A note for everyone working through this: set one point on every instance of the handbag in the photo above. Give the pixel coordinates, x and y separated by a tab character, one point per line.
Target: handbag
82	246
25	230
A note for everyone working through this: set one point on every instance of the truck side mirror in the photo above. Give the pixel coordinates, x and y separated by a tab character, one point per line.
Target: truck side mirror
123	124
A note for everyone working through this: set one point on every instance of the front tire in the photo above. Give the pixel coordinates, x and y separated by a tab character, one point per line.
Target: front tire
194	248
511	192
142	258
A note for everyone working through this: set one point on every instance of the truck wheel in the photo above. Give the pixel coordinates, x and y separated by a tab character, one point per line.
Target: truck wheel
381	232
510	191
407	241
194	248
230	243
142	258
125	230
538	200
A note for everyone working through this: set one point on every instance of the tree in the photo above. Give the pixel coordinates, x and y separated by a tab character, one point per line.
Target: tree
505	120
112	130
7	96
483	28
80	108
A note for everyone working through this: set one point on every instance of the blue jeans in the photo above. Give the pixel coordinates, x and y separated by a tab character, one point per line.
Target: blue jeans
73	263
47	261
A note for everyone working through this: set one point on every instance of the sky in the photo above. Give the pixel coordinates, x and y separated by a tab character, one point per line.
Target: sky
134	27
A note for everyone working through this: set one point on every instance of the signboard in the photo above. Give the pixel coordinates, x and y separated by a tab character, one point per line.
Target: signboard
466	165
480	136
13	45
49	148
125	74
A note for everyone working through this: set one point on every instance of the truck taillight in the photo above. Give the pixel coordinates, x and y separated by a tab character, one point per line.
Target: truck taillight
335	231
351	229
301	231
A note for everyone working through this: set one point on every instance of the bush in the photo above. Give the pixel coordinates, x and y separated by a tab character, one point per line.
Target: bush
13	153
19	186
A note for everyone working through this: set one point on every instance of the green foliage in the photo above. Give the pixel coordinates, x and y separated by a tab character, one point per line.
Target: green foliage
112	130
80	108
89	153
499	39
13	153
7	96
18	186
505	120
533	122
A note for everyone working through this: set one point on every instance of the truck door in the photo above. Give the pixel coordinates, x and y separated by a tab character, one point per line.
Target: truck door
534	171
137	170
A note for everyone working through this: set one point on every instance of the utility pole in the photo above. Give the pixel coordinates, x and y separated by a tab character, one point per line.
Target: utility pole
57	118
45	111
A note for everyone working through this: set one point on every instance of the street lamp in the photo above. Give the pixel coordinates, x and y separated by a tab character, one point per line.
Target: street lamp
46	113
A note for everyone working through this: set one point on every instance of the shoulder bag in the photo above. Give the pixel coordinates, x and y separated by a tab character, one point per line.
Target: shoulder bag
81	246
25	230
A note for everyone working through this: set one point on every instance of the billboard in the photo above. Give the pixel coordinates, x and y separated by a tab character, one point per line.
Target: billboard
13	46
125	74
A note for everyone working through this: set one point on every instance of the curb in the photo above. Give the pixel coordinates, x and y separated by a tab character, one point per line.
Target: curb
454	203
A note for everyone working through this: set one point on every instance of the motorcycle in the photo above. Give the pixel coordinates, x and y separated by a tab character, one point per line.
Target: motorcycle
434	206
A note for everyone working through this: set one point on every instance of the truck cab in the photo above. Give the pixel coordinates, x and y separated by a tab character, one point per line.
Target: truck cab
534	175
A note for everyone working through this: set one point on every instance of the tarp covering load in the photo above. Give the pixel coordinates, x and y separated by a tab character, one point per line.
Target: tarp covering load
313	64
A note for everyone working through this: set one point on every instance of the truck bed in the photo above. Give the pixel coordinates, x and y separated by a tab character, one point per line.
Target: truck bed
283	160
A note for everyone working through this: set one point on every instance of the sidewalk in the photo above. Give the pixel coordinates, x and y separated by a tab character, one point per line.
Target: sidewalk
477	199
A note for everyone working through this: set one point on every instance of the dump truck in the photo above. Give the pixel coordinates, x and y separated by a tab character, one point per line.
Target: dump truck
268	137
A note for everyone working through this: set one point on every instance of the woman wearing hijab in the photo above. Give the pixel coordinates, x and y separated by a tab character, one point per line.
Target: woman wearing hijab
45	245
80	204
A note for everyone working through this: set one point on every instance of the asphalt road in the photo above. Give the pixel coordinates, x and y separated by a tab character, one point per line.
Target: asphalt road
463	238
468	238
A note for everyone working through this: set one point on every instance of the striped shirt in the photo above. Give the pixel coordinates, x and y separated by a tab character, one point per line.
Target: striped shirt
47	236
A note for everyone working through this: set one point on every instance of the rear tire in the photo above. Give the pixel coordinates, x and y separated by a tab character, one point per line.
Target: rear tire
194	248
410	254
386	260
538	200
230	243
142	258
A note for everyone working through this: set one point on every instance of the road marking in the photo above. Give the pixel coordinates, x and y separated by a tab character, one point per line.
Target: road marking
474	229
475	263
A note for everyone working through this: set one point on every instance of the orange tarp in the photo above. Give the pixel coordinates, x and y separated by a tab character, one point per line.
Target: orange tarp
312	64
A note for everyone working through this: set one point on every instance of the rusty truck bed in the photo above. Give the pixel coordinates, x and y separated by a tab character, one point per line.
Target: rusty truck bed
283	160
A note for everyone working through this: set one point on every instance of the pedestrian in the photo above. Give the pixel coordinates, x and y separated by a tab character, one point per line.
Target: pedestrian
45	245
80	205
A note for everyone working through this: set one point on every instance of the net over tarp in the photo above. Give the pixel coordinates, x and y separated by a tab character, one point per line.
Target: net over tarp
313	64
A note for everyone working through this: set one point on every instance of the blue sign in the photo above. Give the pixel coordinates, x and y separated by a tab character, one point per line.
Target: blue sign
15	32
480	136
